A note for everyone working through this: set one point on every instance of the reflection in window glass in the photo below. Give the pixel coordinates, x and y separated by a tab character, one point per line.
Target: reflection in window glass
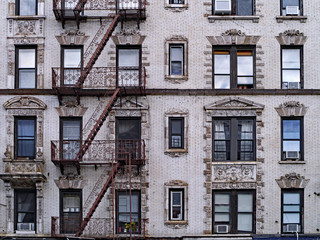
27	7
244	7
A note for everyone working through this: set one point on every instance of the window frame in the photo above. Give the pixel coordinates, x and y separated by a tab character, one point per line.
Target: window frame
233	49
17	68
17	8
180	45
63	47
233	210
179	2
301	212
16	212
300	8
182	206
16	119
301	65
171	135
301	157
127	192
234	9
234	138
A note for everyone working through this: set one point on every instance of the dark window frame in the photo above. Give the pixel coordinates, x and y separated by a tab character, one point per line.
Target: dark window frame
16	212
16	137
233	151
233	63
127	192
233	209
234	10
301	193
301	64
182	203
182	132
301	137
17	69
183	58
17	8
76	192
63	47
300	7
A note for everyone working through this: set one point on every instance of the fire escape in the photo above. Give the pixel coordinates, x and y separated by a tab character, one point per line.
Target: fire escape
115	154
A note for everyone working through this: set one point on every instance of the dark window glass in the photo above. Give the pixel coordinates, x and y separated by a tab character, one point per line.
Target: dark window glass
176	133
71	136
25	210
25	67
292	205
26	7
25	137
72	65
233	211
291	139
176	59
291	68
244	7
176	201
123	212
291	7
176	2
237	7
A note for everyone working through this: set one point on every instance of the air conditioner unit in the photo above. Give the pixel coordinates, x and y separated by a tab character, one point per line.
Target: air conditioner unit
222	7
293	85
292	154
222	228
25	226
292	10
292	228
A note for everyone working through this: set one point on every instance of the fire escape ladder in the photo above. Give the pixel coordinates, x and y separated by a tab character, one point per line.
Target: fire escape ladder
98	200
77	10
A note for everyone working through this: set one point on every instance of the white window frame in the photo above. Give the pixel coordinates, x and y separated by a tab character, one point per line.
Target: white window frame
181	192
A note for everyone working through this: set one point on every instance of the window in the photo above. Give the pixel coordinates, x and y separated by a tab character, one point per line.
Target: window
176	59
291	67
71	64
71	137
70	210
25	131
233	211
128	65
176	207
123	212
233	139
176	133
26	67
233	7
176	1
292	210
292	139
25	209
26	7
291	7
234	67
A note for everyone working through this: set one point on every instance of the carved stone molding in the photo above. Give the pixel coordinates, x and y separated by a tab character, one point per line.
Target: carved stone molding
292	180
234	173
177	183
233	36
74	37
24	103
291	37
238	185
70	181
128	37
291	109
71	109
129	103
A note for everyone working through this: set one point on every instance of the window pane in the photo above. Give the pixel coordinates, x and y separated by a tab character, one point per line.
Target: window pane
128	129
246	146
221	217
220	198
26	201
291	75
220	146
291	146
176	53
176	198
245	81
26	148
71	129
222	82
290	3
26	217
27	7
291	218
176	212
176	68
245	129
222	209
291	208
245	202
71	203
222	129
244	7
27	58
72	58
245	222
245	65
25	128
27	78
221	63
291	129
128	57
291	198
176	126
291	58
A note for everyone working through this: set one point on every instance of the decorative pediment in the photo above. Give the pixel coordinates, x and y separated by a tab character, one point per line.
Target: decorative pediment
291	109
126	37
72	37
129	104
71	109
234	103
70	181
291	37
234	173
233	36
24	103
292	180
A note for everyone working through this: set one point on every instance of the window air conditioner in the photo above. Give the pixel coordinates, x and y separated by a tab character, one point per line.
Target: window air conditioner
222	7
292	154
25	226
292	228
293	85
222	228
292	10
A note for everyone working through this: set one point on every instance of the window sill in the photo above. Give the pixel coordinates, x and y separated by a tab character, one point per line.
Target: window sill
292	162
26	17
176	152
25	232
171	222
302	19
176	7
235	162
176	78
213	18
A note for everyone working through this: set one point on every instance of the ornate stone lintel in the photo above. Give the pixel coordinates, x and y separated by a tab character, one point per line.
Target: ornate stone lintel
291	109
292	180
71	109
233	36
24	103
126	37
72	37
234	173
291	37
70	181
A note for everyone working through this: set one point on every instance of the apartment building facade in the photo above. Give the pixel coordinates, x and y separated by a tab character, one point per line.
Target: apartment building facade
171	119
